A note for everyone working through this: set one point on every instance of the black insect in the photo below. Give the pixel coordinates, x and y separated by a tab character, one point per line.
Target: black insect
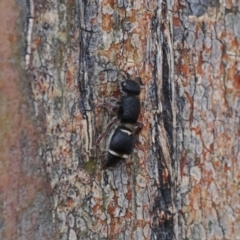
121	142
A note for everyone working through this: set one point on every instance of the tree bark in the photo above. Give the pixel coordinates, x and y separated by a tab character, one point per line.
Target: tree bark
182	180
25	203
206	43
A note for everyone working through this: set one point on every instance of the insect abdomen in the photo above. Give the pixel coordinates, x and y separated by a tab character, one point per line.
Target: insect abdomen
122	141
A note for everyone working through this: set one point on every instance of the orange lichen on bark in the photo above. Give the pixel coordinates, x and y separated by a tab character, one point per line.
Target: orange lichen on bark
236	78
107	22
176	22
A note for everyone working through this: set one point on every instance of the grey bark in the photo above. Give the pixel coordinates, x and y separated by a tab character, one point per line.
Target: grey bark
182	181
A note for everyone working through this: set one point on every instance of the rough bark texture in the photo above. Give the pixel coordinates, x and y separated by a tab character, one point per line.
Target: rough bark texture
206	54
79	50
182	181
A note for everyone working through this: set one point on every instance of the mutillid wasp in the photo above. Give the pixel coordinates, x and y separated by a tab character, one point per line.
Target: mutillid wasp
122	139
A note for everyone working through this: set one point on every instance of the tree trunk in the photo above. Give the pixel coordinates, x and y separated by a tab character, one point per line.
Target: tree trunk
208	82
25	203
182	180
